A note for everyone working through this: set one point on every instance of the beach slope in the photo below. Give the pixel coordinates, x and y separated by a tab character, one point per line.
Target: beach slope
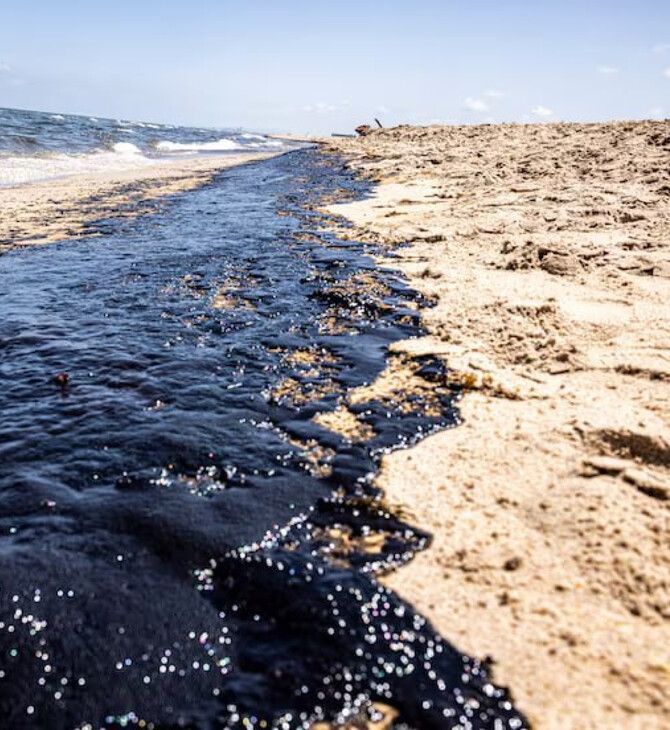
546	252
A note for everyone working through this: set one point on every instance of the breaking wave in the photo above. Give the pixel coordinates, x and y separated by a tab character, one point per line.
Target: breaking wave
221	145
38	146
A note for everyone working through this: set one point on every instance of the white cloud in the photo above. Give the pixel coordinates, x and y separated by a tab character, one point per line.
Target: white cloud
320	107
660	49
542	111
657	112
666	73
475	105
493	94
4	66
608	70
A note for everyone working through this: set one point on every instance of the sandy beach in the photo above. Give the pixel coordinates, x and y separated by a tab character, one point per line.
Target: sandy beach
67	207
546	252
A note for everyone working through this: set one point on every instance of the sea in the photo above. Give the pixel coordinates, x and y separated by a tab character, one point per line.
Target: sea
185	542
40	145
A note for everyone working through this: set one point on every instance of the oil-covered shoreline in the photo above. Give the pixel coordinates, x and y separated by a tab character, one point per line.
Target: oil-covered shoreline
187	538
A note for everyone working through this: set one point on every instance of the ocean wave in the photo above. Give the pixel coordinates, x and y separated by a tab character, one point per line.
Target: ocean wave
241	142
266	144
221	145
42	145
126	148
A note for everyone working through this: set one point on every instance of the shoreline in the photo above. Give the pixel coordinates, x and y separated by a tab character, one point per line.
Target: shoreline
55	210
150	328
549	504
546	249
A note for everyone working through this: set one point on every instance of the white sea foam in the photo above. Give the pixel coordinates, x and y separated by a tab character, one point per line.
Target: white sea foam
18	170
221	145
267	143
126	148
261	141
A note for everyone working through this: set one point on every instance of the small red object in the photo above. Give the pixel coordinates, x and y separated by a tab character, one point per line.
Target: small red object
62	379
363	130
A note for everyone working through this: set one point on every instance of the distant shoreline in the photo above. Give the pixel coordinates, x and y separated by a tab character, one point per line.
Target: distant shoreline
306	138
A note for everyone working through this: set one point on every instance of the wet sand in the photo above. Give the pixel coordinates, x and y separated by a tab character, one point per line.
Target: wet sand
546	250
54	210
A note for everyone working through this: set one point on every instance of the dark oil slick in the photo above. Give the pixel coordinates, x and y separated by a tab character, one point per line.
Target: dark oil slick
180	544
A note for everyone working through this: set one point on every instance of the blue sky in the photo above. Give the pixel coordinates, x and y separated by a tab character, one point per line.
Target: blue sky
324	66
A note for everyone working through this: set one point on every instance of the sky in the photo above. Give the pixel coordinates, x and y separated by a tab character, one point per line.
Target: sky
324	66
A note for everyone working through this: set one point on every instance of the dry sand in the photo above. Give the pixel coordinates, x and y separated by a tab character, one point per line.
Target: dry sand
68	207
546	249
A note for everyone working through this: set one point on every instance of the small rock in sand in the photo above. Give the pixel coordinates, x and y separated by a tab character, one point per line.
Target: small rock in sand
606	465
559	265
513	563
647	484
